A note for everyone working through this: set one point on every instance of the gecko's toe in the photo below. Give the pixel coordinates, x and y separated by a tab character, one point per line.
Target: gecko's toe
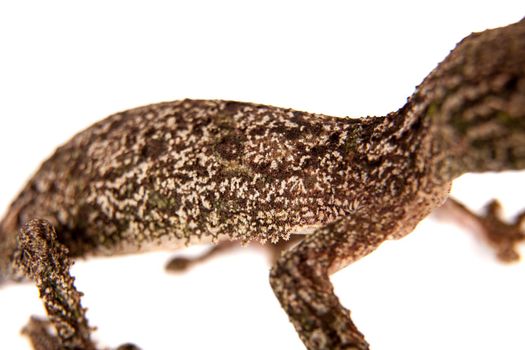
508	254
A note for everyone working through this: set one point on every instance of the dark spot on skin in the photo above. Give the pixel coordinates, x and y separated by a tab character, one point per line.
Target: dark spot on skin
153	148
301	148
131	138
416	126
289	133
292	133
305	126
259	131
229	147
149	132
318	151
232	106
334	138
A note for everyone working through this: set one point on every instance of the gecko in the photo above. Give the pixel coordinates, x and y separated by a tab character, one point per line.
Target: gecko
173	174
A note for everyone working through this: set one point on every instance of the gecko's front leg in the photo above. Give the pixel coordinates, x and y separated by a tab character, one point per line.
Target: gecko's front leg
42	258
300	280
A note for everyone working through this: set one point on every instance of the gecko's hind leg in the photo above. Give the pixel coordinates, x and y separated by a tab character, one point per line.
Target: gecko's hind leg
300	280
183	263
503	236
43	259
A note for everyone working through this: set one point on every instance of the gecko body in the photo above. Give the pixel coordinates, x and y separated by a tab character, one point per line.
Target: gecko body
193	171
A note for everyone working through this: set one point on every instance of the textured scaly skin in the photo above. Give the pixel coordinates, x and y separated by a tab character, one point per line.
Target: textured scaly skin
192	171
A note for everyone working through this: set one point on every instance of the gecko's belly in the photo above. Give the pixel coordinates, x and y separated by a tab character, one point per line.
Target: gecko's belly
171	243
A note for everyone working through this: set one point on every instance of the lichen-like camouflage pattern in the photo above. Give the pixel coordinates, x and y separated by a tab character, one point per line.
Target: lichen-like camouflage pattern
193	171
190	170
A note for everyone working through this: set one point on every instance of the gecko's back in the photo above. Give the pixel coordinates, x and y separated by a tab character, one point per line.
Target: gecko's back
192	171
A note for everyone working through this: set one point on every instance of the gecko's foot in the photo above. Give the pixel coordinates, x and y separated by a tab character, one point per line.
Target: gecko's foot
128	346
179	264
504	236
40	333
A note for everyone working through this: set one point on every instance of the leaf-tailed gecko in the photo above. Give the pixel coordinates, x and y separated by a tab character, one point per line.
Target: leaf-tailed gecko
193	171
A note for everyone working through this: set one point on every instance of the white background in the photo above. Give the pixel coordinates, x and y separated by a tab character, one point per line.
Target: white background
64	65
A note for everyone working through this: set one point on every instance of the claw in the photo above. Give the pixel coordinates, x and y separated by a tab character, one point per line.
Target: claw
494	210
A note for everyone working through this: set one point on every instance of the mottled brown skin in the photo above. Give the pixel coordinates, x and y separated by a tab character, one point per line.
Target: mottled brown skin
183	172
